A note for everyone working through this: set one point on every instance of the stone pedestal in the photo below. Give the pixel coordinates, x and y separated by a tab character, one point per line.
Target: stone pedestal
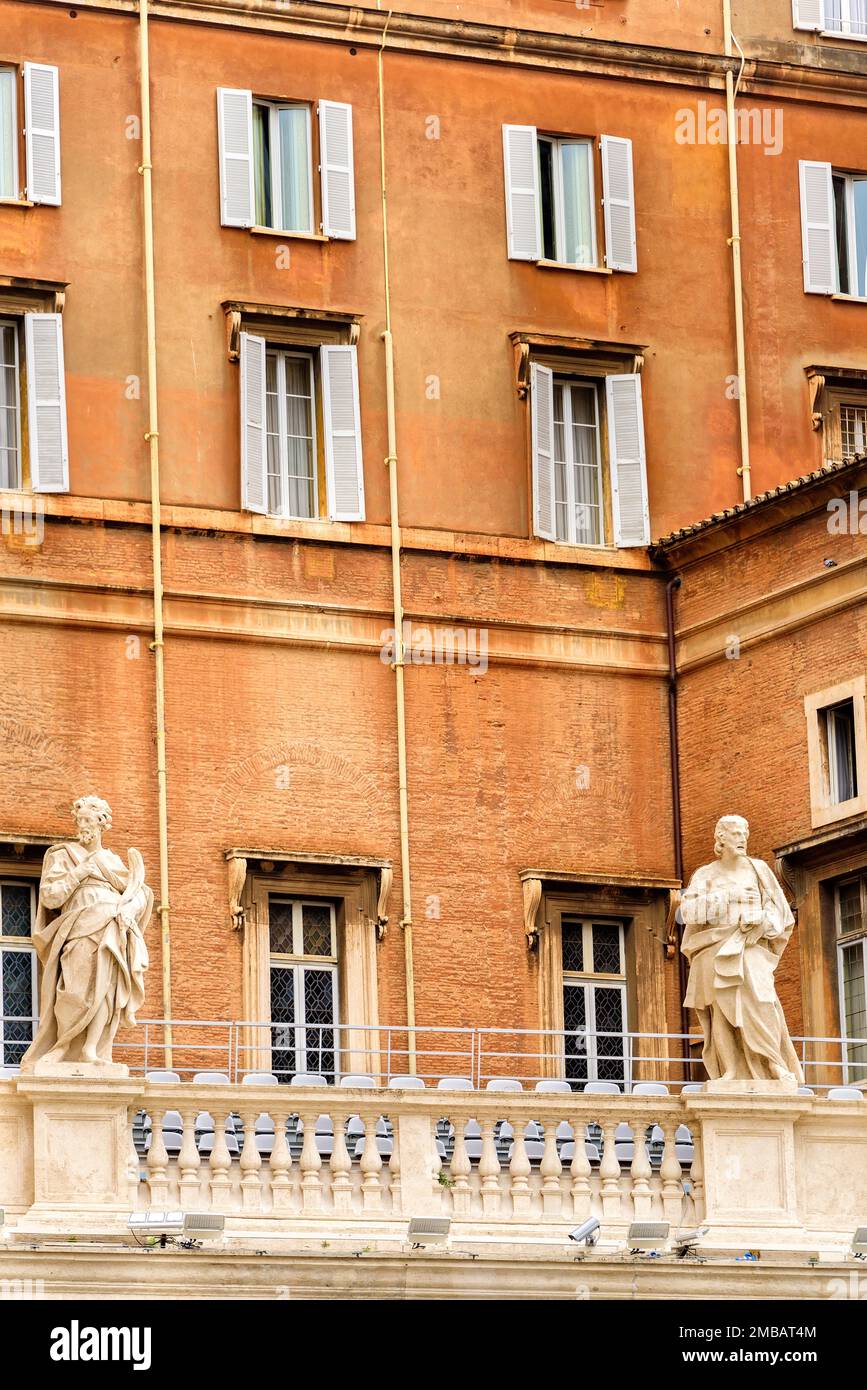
747	1134
81	1147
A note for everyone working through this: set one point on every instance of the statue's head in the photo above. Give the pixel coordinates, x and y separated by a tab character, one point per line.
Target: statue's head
732	833
92	816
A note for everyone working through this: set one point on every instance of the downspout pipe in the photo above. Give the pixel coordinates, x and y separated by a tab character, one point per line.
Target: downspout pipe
735	243
674	758
153	441
397	596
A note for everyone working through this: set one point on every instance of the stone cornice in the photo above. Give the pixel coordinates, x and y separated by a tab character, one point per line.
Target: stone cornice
833	74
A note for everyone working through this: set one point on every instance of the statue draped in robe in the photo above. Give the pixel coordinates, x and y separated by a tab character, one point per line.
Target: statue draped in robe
737	924
89	937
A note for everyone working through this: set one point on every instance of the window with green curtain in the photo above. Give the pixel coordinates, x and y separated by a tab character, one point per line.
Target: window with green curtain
8	133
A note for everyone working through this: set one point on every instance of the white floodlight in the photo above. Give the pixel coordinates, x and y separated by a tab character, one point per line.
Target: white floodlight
204	1225
859	1243
648	1235
428	1230
157	1223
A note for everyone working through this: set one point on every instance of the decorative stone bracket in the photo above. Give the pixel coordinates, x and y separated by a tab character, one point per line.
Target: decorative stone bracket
589	356
280	323
238	860
532	889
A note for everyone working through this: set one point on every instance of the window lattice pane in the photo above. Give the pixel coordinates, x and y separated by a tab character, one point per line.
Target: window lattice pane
609	1019
282	995
573	945
16	917
855	1008
280	926
849	900
316	922
16	1005
575	1021
319	1011
606	950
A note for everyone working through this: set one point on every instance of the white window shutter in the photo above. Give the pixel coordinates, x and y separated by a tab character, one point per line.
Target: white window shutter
818	228
808	14
336	170
521	169
628	463
46	403
618	198
235	133
42	133
542	434
341	414
254	442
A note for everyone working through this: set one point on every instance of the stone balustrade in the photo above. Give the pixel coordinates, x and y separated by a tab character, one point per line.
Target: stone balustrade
332	1163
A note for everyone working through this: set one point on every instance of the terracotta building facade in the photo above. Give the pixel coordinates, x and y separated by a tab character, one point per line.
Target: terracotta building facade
417	722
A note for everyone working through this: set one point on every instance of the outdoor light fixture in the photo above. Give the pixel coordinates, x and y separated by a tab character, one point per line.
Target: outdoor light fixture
587	1234
648	1236
428	1230
859	1243
184	1228
686	1244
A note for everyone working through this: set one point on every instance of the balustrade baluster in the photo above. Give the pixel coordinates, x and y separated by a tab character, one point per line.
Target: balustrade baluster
519	1169
460	1169
489	1170
310	1163
371	1166
609	1172
250	1164
132	1161
696	1172
189	1162
282	1190
394	1168
551	1168
580	1171
341	1166
157	1165
640	1172
672	1184
221	1162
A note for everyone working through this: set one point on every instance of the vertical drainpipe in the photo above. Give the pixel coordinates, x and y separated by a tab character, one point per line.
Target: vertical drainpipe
674	756
153	440
735	243
399	649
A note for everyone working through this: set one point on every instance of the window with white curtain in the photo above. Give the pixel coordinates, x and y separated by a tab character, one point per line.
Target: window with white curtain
10	407
567	203
282	166
850	208
291	433
577	463
846	17
838	724
850	904
8	133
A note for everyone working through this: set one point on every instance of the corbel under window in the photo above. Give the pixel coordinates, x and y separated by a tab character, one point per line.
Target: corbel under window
592	357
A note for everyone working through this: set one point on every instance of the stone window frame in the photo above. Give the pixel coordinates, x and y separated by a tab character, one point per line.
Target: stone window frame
831	387
822	811
642	906
359	888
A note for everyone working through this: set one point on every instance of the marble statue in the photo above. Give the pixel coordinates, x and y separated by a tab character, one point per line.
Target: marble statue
736	926
89	937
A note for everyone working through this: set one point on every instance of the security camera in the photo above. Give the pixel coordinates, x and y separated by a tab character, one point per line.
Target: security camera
586	1234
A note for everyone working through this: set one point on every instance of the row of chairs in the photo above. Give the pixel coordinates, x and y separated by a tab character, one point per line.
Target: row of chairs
361	1081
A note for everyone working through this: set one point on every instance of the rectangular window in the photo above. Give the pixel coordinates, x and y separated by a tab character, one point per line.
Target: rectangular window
594	1000
853	430
18	991
8	133
282	166
291	434
10	407
851	914
303	993
850	211
577	464
838	729
567	201
846	17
